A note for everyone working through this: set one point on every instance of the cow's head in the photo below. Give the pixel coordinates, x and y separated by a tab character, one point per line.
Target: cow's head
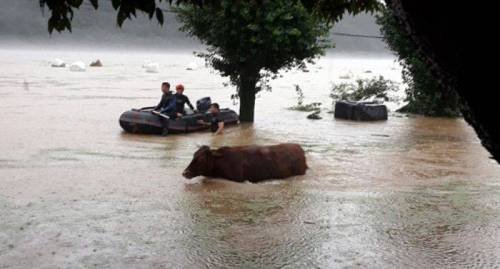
201	164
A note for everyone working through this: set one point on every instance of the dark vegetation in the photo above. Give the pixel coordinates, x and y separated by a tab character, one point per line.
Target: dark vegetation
424	93
300	106
364	89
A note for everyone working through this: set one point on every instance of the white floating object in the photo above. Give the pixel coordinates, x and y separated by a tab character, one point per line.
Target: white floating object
78	66
152	67
192	66
146	63
347	75
57	63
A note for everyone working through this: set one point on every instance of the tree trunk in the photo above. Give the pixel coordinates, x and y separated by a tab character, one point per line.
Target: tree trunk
246	91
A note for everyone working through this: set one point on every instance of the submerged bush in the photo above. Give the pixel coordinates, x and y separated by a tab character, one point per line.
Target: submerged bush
315	106
363	90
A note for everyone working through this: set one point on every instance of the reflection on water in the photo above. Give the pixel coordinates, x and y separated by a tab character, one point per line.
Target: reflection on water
77	191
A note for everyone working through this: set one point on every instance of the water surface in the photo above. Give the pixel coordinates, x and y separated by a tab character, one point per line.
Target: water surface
75	191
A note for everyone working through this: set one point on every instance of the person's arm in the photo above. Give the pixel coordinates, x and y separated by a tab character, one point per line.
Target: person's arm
160	104
220	130
202	122
189	103
158	107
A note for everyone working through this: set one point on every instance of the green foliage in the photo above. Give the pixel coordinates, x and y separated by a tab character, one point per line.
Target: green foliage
315	106
424	94
251	41
364	89
335	10
255	38
62	11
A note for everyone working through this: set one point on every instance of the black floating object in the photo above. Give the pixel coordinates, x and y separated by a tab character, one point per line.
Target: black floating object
360	111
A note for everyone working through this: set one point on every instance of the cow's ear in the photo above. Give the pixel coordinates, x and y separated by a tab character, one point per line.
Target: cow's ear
204	148
216	153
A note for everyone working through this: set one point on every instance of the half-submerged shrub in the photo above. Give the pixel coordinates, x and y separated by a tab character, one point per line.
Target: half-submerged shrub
314	106
374	89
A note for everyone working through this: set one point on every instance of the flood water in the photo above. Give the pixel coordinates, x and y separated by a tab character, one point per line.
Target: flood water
77	192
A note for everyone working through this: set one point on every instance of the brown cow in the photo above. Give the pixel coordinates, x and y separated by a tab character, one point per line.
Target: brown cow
252	163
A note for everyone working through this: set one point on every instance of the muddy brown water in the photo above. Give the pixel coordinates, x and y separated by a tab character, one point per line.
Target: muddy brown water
77	192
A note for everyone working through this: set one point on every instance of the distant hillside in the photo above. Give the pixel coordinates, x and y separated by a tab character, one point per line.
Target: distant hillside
22	23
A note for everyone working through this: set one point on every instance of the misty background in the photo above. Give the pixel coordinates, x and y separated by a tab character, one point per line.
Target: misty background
23	24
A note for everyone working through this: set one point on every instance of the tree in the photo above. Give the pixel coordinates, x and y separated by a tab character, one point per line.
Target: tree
62	11
424	94
250	41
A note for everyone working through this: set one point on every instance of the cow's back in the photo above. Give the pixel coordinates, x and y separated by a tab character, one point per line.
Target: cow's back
257	163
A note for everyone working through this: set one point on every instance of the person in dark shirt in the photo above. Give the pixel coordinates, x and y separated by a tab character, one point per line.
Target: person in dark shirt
167	94
166	108
180	101
215	123
171	106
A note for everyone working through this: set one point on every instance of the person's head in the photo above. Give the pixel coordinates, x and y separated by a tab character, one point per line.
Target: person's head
165	87
214	108
179	88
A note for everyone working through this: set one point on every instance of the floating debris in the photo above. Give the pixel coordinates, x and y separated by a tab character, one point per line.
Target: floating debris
96	63
314	116
78	66
57	63
152	68
192	66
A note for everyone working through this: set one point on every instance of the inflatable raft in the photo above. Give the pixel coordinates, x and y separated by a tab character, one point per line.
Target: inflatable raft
144	121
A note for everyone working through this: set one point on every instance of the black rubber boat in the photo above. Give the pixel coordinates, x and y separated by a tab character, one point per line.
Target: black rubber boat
143	121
